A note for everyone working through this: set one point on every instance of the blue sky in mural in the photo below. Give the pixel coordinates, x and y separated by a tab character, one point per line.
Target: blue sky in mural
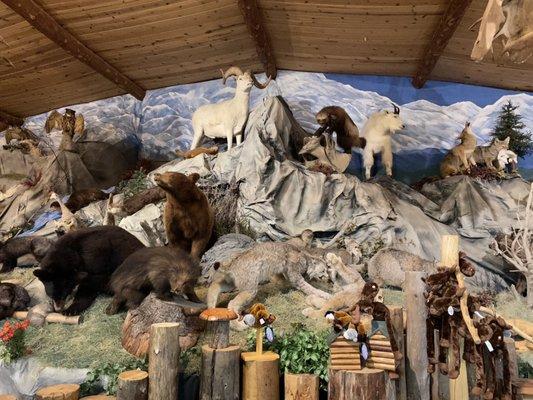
401	91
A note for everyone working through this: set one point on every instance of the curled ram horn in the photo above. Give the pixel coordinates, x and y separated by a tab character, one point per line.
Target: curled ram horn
257	83
231	71
396	109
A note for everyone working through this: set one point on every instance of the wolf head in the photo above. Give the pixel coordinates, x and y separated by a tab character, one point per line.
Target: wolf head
498	144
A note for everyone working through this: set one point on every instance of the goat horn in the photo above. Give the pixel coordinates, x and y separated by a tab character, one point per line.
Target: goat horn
396	109
231	71
259	84
472	27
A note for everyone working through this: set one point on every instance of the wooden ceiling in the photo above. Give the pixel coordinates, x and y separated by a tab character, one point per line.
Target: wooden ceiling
158	43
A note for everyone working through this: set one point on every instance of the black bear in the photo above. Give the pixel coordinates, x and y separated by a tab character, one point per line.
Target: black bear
12	298
17	247
81	264
163	270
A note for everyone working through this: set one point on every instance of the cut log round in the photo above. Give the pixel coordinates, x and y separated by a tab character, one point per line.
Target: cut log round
133	385
220	373
301	387
136	327
59	392
7	397
163	367
366	384
260	376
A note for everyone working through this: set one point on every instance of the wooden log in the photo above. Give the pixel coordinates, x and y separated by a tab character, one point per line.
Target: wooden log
418	385
345	356
260	376
513	361
380	348
301	386
382	360
7	397
343	350
220	373
397	316
97	397
52	318
59	392
366	384
378	366
163	365
383	354
136	327
132	385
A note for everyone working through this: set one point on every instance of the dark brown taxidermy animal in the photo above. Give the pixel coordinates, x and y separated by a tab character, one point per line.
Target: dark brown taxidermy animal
12	298
17	247
163	270
188	216
82	198
336	119
199	150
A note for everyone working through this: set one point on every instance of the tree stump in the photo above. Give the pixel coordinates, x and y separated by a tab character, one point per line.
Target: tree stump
260	376
59	392
132	385
7	397
301	387
220	373
136	327
366	384
163	367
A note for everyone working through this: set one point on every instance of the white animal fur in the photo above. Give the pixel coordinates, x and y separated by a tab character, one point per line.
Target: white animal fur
506	157
227	118
377	131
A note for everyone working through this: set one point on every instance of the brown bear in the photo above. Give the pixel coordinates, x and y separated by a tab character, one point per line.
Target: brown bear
19	246
82	198
162	270
80	264
12	298
188	216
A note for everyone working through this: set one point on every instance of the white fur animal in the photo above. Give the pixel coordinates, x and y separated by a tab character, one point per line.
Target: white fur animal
377	132
507	157
68	222
227	118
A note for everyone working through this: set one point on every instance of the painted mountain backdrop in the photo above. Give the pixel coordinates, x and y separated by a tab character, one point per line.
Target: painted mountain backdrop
162	121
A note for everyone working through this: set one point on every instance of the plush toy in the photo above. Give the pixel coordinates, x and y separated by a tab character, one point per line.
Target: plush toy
340	320
258	316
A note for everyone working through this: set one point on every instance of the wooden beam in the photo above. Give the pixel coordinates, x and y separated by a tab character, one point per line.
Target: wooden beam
9	120
444	31
48	26
254	22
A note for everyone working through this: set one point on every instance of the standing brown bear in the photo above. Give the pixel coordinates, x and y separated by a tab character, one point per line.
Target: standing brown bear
188	217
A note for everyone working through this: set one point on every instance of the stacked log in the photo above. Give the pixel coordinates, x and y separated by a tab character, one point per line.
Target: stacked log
380	355
344	355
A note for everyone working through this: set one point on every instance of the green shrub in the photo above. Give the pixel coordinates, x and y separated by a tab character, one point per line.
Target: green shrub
109	371
136	184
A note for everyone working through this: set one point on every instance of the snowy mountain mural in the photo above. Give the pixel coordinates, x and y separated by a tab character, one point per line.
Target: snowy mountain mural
162	121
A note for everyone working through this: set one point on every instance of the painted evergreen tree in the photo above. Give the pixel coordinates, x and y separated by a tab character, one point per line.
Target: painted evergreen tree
510	124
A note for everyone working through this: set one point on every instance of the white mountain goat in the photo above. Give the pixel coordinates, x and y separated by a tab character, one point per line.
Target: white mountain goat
377	131
227	118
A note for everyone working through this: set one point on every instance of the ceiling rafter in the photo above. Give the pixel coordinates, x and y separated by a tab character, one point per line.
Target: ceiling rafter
48	26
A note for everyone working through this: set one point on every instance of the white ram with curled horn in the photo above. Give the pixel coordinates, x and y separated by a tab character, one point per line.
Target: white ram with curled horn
227	118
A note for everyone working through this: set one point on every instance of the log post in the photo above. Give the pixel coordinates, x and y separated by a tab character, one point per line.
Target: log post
513	361
260	376
417	375
163	365
366	384
301	386
59	392
7	397
133	385
396	316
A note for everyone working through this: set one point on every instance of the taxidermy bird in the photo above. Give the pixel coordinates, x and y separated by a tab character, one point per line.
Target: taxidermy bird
69	123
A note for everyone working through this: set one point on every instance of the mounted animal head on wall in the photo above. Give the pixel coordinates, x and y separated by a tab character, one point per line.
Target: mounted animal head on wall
245	80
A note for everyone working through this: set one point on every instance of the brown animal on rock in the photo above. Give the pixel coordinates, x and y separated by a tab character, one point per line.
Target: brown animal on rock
163	270
461	157
188	216
199	150
12	298
17	247
19	133
336	119
83	198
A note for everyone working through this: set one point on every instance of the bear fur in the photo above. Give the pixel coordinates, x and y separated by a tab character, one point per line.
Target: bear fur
336	119
12	298
188	216
82	198
84	259
163	270
17	247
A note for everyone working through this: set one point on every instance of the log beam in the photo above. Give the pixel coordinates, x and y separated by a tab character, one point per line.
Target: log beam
7	120
444	31
254	22
48	26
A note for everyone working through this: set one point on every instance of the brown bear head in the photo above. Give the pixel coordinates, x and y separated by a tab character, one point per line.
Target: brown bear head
182	187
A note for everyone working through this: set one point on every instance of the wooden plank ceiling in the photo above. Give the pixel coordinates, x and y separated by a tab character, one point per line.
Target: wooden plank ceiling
158	43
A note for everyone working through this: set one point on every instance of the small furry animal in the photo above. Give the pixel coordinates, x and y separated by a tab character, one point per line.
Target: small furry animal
256	266
83	198
258	316
507	158
199	150
336	119
461	157
388	266
377	132
304	240
17	247
20	134
163	270
188	216
12	298
489	154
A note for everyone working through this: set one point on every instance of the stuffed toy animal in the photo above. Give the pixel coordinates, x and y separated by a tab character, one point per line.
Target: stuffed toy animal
258	316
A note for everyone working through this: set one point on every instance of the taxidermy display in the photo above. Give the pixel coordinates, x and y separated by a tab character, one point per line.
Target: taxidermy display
227	118
84	197
69	123
461	157
258	316
12	298
68	222
336	119
488	155
377	132
326	156
19	246
27	146
213	150
507	158
510	20
20	134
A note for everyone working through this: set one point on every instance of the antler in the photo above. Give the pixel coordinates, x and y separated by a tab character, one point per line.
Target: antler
396	109
257	83
231	71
